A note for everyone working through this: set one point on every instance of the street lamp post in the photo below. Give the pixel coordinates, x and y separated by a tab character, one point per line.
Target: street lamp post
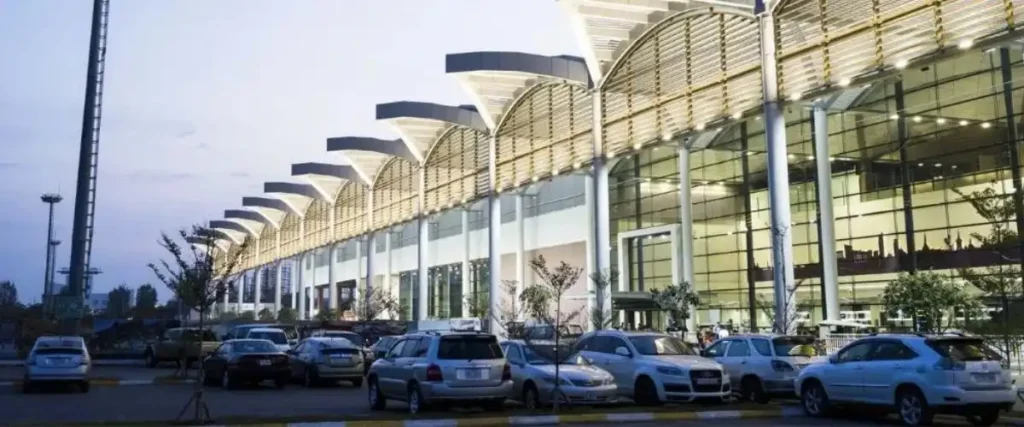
50	199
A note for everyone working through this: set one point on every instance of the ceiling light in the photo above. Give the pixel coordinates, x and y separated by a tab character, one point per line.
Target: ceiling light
920	165
940	121
917	119
737	115
986	125
831	159
966	44
795	96
791	156
844	82
637	146
555	172
666	137
810	157
901	64
938	165
895	117
964	123
577	165
700	126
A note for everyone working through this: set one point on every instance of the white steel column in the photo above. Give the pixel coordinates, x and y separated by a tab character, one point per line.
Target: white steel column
226	305
423	275
241	291
360	268
827	218
278	278
387	262
778	176
591	247
466	285
310	296
332	291
371	249
494	237
520	246
686	231
299	293
602	217
257	291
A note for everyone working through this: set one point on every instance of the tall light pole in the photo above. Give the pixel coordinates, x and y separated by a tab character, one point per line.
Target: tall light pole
50	199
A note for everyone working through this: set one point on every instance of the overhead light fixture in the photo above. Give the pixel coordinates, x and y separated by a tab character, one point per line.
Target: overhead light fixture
637	146
895	117
917	119
964	123
737	115
986	125
555	172
901	64
700	127
966	44
831	159
791	156
666	137
577	165
796	96
938	165
844	82
940	121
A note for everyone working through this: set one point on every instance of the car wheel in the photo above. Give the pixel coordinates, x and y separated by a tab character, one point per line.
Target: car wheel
357	382
912	408
753	391
226	382
415	400
987	418
814	400
84	386
531	398
376	398
150	359
646	392
310	378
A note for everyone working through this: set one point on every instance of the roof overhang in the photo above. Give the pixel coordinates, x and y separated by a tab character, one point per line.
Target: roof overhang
205	243
297	195
250	218
233	227
219	234
494	79
271	206
421	123
327	178
367	154
605	28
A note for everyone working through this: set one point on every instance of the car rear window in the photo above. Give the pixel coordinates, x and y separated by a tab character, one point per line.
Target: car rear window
964	350
59	350
471	347
275	337
60	344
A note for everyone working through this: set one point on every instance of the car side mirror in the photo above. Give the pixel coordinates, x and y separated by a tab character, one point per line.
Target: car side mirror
623	351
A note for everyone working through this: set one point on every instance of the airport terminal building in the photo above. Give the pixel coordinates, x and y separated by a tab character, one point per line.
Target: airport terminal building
810	148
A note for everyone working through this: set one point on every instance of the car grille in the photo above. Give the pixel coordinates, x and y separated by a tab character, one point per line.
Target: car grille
586	383
699	380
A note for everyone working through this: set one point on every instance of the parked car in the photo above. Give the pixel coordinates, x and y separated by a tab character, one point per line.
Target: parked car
273	335
426	368
651	368
240	331
915	376
319	359
533	376
764	366
242	361
176	343
381	347
57	359
355	338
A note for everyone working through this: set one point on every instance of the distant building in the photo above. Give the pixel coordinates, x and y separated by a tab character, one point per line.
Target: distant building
98	302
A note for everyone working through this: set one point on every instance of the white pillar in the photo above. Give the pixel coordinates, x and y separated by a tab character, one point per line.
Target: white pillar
686	231
387	264
278	278
494	235
299	293
225	307
591	247
257	291
332	287
466	287
602	244
371	248
241	291
360	269
520	245
778	175
424	268
311	290
827	219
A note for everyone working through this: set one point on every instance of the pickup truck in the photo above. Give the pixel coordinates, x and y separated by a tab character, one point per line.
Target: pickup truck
177	342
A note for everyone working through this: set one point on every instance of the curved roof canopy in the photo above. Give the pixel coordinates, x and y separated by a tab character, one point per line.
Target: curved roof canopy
327	178
368	154
251	217
204	242
494	79
232	226
273	208
605	28
421	123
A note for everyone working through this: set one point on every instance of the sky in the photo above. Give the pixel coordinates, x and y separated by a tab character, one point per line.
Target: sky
205	100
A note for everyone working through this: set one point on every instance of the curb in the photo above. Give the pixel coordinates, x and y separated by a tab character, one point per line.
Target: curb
115	382
544	420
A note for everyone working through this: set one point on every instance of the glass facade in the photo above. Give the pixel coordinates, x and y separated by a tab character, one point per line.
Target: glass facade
902	151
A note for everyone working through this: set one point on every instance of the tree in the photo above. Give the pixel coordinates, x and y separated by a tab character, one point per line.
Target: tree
119	302
326	315
145	298
788	324
536	299
198	275
266	315
602	317
477	305
676	301
8	294
374	302
930	299
508	311
287	315
247	316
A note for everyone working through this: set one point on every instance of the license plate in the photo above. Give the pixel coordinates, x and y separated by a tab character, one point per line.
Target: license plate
471	374
985	378
707	381
264	362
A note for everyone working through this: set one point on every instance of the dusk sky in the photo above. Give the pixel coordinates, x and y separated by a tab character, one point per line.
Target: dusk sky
205	100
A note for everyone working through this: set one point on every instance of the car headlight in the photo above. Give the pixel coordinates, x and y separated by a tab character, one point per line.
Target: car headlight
551	380
668	370
608	381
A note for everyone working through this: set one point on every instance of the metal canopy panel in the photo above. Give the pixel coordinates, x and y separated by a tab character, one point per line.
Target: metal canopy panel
304	190
270	203
232	225
605	28
494	79
326	170
421	123
252	216
368	154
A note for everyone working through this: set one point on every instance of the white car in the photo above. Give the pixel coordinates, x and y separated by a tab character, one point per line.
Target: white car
763	366
274	335
915	376
651	368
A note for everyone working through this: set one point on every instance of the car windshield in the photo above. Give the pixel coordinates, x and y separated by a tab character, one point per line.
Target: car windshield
351	336
276	337
795	346
545	354
335	342
964	350
469	347
661	345
253	346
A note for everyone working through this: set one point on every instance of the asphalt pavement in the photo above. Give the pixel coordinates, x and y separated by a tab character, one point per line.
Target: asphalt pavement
132	373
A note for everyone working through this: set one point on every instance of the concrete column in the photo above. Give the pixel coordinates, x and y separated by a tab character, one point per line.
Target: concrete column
387	263
520	245
591	247
494	258
300	290
241	291
686	231
311	290
225	306
466	259
602	229
277	286
424	268
371	250
778	176
827	219
332	291
360	268
257	291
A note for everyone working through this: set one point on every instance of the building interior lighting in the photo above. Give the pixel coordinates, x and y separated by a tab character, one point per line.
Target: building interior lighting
966	44
901	64
986	125
940	121
844	82
963	123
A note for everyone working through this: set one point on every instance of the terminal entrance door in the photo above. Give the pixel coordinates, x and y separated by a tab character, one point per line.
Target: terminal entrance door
648	259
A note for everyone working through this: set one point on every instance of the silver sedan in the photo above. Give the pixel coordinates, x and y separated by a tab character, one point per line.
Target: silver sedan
533	376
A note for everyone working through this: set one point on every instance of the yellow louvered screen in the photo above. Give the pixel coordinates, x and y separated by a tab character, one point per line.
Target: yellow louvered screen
350	211
317	224
546	132
290	235
268	245
453	168
395	192
690	69
824	42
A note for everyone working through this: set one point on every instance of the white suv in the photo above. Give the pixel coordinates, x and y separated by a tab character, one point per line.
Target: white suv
763	366
651	368
915	376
